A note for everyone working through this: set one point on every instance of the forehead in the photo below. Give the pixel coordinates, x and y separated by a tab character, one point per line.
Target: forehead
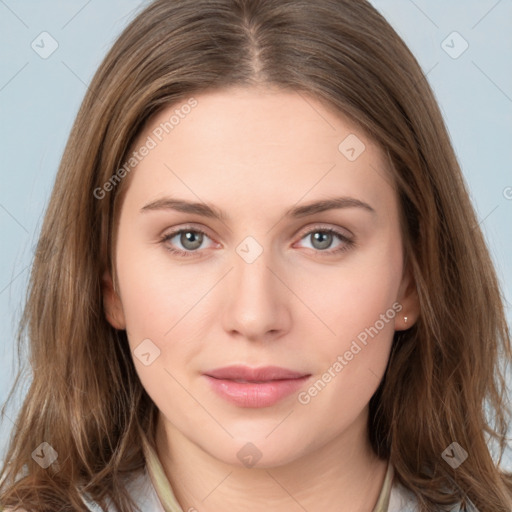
239	143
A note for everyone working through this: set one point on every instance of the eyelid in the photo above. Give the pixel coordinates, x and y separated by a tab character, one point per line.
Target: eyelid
347	239
169	232
344	232
300	233
168	235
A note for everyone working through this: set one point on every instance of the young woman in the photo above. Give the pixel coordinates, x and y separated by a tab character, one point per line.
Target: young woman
260	282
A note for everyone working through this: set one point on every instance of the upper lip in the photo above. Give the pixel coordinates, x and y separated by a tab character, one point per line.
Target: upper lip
262	374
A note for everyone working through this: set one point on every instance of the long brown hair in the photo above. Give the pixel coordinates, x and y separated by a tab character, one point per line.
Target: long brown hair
443	383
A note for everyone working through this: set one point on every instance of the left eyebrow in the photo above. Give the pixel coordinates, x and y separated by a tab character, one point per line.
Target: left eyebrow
206	210
328	204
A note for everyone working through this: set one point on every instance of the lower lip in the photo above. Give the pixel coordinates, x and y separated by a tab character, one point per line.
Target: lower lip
260	394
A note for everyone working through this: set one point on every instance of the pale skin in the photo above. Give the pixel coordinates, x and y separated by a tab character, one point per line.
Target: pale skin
255	153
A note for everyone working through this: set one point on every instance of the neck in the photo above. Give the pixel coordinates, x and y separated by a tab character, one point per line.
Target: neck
342	475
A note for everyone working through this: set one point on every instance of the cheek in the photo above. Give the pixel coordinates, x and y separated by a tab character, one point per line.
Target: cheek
357	306
351	362
156	299
154	292
165	303
352	297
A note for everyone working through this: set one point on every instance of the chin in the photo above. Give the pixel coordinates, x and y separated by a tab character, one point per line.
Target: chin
258	451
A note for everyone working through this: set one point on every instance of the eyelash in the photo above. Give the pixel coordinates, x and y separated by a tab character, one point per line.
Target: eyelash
348	243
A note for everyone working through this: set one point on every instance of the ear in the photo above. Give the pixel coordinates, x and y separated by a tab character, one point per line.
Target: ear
112	305
408	298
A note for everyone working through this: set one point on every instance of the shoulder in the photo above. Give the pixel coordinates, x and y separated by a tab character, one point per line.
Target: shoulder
402	499
142	492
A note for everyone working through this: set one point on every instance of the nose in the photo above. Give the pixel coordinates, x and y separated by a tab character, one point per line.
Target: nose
258	303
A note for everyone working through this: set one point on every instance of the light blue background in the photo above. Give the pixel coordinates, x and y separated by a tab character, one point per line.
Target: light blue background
39	99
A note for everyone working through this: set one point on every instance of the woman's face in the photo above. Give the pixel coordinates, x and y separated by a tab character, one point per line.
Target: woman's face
229	180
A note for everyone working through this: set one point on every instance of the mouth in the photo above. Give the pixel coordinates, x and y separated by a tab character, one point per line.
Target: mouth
248	374
255	387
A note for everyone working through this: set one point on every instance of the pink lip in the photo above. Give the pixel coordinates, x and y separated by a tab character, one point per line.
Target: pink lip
255	387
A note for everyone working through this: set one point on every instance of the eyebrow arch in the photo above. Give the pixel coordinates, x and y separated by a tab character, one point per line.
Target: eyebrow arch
210	211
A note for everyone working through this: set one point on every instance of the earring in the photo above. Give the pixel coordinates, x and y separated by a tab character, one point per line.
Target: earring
405	319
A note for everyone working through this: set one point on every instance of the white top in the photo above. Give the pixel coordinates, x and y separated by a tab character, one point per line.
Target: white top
152	492
146	498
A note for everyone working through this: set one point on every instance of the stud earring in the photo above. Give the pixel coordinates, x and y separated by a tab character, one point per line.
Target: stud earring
405	319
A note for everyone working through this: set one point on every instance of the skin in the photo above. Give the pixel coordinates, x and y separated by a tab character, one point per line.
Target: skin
254	153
